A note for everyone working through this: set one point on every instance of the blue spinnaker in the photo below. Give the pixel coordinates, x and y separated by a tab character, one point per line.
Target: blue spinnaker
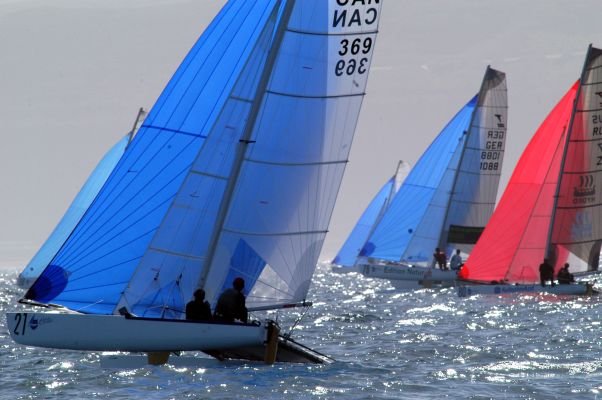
101	255
235	171
352	248
74	213
399	225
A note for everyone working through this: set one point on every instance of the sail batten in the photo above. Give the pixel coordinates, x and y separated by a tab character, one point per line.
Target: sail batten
162	129
290	164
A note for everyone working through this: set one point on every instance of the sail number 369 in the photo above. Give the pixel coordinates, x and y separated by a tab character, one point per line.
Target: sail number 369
356	47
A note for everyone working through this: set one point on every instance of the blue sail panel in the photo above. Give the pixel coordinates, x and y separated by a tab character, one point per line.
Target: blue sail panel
355	242
178	251
108	244
76	210
427	235
398	226
295	134
245	262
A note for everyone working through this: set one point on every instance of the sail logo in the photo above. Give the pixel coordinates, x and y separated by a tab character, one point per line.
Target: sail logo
500	122
34	322
585	192
582	226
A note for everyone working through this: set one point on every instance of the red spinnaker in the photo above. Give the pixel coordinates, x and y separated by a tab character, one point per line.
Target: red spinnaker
514	242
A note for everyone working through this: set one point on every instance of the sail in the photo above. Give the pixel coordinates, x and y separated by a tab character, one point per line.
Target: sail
514	242
291	173
94	266
477	180
352	247
74	213
396	229
577	223
266	180
235	171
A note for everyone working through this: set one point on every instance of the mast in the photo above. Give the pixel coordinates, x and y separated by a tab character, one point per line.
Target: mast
466	138
139	117
548	252
245	139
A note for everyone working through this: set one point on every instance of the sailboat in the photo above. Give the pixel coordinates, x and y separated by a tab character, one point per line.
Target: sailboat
551	207
448	196
78	207
346	259
234	173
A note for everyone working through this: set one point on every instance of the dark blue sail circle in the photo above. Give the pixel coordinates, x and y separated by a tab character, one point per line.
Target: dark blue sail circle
49	285
368	249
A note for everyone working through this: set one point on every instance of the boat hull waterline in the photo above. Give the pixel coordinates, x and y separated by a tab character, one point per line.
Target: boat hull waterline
119	333
578	289
337	269
405	272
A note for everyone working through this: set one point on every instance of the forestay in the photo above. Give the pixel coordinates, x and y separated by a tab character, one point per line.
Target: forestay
236	170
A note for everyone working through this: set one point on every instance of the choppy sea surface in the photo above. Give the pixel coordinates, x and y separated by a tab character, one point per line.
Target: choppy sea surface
388	344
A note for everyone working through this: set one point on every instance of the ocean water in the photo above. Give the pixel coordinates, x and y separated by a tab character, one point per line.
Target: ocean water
388	344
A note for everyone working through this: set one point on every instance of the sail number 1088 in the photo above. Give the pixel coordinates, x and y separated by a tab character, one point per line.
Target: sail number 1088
356	47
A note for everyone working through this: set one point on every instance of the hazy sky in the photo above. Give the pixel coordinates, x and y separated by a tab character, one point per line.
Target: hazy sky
74	72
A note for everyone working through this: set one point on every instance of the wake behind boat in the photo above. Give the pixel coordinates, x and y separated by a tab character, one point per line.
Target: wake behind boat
233	174
550	216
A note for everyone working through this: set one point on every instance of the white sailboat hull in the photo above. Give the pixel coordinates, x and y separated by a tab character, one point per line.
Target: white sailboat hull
404	272
338	269
577	289
119	333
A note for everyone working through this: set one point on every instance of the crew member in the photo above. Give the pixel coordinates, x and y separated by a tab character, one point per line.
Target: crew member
440	258
564	276
456	261
198	309
231	303
546	272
